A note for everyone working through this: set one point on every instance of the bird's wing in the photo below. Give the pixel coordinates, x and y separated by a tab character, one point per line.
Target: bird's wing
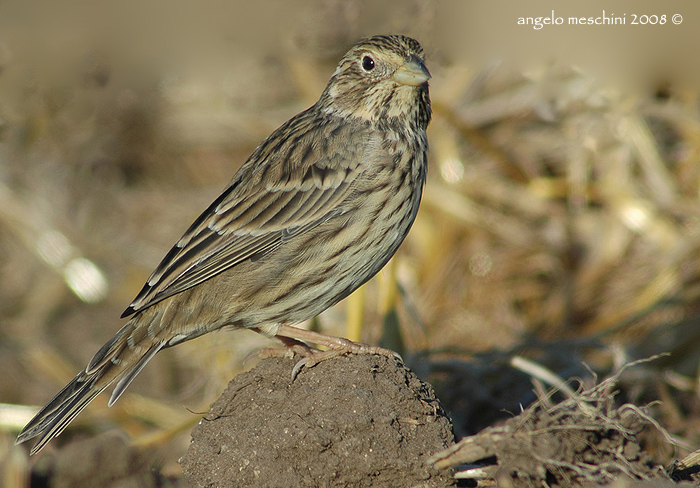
285	188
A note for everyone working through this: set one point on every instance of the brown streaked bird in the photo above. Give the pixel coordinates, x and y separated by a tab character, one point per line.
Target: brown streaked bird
318	209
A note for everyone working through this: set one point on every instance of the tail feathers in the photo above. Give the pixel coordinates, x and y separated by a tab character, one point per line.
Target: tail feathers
71	400
65	406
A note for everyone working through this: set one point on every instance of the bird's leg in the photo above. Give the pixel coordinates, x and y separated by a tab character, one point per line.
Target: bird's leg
294	336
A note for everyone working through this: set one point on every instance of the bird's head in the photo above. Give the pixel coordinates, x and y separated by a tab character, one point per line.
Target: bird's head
381	79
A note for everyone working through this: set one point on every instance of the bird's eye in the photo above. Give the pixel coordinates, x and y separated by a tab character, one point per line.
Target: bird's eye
367	63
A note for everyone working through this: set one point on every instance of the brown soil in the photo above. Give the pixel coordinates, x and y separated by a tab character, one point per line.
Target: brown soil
367	421
585	440
360	421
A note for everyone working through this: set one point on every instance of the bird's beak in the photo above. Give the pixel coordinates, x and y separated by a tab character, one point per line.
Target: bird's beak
413	72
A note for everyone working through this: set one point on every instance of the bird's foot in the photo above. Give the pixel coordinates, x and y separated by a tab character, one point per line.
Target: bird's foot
295	339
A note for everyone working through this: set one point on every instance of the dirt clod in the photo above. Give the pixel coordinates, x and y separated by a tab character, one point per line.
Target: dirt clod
585	440
360	421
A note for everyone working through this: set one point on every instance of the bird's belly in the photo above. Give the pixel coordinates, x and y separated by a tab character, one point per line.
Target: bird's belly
347	255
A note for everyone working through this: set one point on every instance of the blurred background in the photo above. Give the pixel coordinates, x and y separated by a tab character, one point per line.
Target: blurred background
560	222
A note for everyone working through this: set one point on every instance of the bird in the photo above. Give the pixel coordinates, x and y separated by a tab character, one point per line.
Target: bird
319	207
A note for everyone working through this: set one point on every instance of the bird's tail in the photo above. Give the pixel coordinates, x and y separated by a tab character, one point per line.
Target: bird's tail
115	361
